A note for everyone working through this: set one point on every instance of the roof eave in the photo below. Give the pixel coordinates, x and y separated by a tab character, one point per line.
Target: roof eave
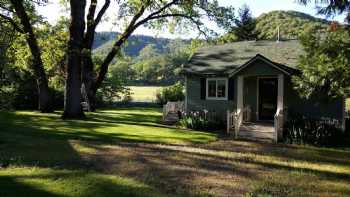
265	59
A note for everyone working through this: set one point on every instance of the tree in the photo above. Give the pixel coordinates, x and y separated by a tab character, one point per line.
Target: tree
153	13
245	25
332	7
72	100
88	74
19	8
325	69
6	89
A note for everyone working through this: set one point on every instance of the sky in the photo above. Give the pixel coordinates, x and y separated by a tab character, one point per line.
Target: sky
52	12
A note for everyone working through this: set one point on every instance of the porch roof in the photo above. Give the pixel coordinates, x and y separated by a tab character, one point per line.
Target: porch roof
227	58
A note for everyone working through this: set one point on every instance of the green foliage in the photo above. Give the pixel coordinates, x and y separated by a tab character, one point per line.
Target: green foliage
291	23
170	93
245	25
200	121
332	8
104	41
325	67
7	95
153	66
16	72
303	130
114	86
227	38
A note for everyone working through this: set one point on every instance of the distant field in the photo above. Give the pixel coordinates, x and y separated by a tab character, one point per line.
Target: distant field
144	93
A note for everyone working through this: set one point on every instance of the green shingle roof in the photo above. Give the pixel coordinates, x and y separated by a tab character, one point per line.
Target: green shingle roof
225	59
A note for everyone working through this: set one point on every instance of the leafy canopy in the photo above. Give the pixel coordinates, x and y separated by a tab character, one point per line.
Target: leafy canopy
326	66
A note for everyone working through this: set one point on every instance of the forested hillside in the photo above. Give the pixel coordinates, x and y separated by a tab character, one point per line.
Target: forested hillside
291	24
104	40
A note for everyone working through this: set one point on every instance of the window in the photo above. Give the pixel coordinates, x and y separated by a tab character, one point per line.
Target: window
217	88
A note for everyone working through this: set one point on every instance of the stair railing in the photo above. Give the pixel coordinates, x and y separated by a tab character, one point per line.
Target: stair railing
230	121
173	107
247	111
235	119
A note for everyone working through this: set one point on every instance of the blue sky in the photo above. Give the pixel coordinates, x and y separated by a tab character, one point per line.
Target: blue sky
258	7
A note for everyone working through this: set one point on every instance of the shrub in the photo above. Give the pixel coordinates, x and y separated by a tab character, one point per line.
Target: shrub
200	121
7	96
170	93
347	122
126	97
303	130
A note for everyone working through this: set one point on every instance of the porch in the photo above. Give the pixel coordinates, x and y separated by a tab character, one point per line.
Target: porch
259	114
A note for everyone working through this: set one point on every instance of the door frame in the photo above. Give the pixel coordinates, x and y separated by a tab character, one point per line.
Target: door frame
258	95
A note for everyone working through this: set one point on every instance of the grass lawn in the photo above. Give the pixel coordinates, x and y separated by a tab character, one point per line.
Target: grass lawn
144	93
348	104
127	152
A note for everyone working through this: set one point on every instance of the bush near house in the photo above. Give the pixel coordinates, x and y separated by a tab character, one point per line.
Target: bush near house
170	93
304	130
201	120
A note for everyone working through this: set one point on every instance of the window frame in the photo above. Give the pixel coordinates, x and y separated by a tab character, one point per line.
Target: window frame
216	79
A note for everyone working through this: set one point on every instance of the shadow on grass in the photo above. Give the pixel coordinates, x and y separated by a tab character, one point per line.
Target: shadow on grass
174	169
100	126
11	187
75	183
45	141
185	169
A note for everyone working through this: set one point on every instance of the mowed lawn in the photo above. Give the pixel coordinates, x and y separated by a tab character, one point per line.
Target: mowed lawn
128	152
144	93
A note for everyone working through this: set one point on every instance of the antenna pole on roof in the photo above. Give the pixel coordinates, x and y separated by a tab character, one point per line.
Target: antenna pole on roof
278	33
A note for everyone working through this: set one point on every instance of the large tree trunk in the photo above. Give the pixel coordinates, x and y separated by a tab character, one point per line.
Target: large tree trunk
37	63
88	79
72	100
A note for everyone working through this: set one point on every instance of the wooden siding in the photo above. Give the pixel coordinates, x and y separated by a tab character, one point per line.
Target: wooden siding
292	101
195	103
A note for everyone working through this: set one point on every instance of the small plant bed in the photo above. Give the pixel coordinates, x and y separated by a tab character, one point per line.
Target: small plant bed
305	130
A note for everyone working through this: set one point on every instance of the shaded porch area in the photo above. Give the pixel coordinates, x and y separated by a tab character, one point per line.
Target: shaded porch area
259	113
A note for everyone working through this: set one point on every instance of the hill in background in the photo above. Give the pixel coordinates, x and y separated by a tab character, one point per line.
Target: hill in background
104	42
291	24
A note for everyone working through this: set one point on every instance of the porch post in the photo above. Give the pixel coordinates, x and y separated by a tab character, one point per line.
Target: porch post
280	92
279	123
240	93
186	95
239	110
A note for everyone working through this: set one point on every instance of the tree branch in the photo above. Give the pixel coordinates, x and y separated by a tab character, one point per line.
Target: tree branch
13	23
102	12
131	28
197	23
163	8
116	47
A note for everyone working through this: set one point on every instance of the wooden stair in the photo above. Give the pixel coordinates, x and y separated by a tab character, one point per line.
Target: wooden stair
171	118
257	131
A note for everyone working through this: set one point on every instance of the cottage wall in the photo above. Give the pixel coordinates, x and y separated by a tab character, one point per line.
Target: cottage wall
195	103
314	108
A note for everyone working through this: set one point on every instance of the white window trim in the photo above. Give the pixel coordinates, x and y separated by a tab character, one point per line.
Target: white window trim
226	89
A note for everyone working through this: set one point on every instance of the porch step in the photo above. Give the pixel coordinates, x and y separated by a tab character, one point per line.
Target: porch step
258	126
257	131
171	118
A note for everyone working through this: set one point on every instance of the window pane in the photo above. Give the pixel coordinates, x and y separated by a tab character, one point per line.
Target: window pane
221	88
212	88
